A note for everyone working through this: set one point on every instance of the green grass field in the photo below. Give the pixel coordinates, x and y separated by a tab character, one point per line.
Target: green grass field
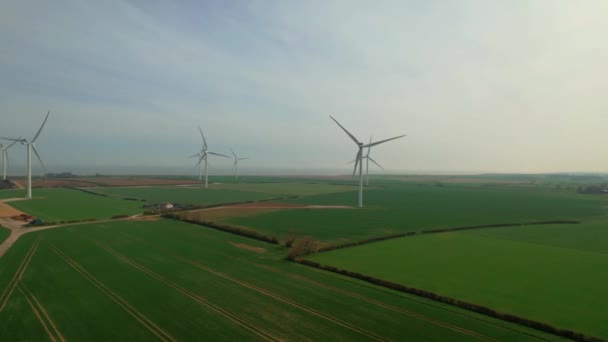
182	195
410	207
285	189
12	193
58	204
552	274
4	233
167	280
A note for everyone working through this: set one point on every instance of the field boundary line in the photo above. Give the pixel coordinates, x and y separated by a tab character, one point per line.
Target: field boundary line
430	303
375	302
46	328
8	291
329	248
287	301
480	309
26	292
217	309
147	323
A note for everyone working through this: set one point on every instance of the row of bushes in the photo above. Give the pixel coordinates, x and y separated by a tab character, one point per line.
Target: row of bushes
252	234
498	225
54	223
363	242
88	191
455	302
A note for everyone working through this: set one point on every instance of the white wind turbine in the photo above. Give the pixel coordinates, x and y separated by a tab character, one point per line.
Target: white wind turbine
368	158
4	150
202	156
359	156
235	166
30	146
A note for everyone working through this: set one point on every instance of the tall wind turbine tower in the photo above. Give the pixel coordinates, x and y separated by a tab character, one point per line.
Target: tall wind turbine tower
31	147
4	150
235	166
202	156
367	158
359	156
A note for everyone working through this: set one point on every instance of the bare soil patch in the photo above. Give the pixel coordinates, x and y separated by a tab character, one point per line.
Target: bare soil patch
249	248
8	211
146	218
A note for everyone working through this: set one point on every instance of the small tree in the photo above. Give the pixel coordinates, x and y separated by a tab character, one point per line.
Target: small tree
291	237
303	246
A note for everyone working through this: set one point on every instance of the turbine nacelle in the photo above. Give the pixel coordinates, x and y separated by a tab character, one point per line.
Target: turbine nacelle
359	156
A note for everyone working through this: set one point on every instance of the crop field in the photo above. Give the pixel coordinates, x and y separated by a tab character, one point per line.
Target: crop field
194	195
553	274
167	280
12	193
408	207
67	204
299	189
4	233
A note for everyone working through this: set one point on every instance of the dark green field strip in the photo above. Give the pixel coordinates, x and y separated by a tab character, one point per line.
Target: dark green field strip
285	189
79	309
350	308
67	204
19	322
141	318
4	233
513	277
402	208
193	196
183	315
43	317
279	319
8	291
590	236
12	193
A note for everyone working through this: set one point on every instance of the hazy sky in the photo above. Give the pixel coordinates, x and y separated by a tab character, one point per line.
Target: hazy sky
503	86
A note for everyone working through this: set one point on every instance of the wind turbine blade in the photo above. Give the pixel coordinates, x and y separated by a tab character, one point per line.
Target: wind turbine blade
350	162
38	156
382	141
347	132
194	155
203	136
219	154
234	154
357	161
242	158
9	146
199	161
369	148
11	139
373	161
41	127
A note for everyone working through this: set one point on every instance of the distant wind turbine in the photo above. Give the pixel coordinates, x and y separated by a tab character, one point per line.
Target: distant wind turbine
30	146
202	156
235	166
368	158
4	150
359	156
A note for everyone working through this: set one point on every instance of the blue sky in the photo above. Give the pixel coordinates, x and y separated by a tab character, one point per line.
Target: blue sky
478	86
